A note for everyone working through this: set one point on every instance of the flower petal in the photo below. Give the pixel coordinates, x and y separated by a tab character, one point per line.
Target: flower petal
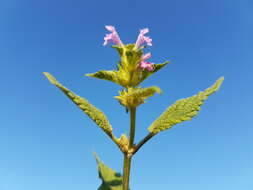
112	37
143	39
110	28
144	31
146	65
146	56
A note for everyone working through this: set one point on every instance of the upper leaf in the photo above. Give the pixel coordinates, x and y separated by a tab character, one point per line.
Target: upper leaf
111	180
133	97
129	74
183	110
146	74
95	114
105	75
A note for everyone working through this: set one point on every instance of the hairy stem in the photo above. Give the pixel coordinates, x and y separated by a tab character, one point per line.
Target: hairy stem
128	157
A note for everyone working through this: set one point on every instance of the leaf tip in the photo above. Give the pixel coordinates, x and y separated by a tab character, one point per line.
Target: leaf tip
221	79
167	62
50	77
219	82
88	75
96	157
158	90
46	74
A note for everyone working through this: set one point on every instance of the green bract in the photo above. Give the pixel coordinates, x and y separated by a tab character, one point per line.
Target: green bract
133	97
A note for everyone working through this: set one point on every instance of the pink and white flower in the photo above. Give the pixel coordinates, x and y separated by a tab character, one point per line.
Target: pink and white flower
143	39
146	65
112	37
146	57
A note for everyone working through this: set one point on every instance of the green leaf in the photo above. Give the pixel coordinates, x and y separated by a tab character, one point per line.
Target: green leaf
95	114
147	92
119	49
133	97
128	73
146	73
105	75
111	180
183	110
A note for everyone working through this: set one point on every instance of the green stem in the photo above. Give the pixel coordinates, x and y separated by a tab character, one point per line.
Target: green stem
128	157
132	126
126	172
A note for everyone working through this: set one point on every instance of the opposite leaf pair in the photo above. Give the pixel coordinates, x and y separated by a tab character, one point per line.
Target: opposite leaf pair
129	73
181	110
133	68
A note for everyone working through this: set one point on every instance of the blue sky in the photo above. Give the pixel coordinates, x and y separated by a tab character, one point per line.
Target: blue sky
46	142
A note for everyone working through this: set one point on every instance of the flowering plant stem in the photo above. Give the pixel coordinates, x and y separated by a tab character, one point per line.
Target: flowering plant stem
126	172
128	156
132	69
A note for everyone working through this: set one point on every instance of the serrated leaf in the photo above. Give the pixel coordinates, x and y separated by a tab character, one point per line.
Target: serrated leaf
133	97
146	74
105	75
147	92
111	180
183	110
95	114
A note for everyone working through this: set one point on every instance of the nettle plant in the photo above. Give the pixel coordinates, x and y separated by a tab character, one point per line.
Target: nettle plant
132	69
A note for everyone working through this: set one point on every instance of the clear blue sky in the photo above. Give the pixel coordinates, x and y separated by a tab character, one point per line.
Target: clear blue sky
46	142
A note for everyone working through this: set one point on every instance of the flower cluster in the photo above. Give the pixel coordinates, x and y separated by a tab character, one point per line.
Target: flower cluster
114	38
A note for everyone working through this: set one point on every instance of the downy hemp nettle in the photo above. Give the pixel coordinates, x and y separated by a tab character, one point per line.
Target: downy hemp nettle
132	69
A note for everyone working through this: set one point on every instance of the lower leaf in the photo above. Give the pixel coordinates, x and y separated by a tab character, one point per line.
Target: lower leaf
111	180
182	110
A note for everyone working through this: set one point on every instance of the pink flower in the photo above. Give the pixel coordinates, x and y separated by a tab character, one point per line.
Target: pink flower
112	37
146	65
143	39
146	56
